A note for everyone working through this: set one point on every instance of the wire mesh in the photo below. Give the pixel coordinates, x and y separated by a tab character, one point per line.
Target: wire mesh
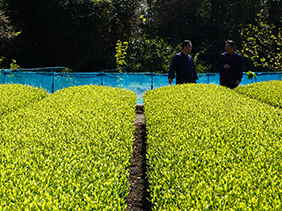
137	82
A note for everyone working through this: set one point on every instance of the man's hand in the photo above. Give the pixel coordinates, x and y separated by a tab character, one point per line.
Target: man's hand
226	66
237	82
170	80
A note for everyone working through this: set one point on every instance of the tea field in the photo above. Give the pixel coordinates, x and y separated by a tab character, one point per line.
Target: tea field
69	151
269	92
210	148
16	96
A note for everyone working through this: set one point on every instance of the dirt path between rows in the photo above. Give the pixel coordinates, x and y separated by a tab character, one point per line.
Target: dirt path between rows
137	199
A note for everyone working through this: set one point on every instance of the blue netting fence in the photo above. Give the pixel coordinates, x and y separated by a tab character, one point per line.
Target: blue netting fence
52	81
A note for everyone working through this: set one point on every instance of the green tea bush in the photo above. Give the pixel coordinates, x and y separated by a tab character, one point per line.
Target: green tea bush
16	96
70	151
268	92
210	148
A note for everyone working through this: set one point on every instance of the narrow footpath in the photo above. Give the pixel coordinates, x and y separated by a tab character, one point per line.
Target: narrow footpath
137	199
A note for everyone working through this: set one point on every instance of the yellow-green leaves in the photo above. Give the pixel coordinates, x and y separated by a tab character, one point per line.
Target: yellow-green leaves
210	148
17	96
70	151
268	92
251	75
262	43
121	48
14	65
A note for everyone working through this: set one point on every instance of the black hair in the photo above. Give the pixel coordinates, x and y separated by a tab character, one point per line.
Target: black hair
186	43
231	43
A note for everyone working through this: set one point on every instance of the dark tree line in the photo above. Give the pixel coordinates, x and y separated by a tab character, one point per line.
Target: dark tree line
207	23
82	34
73	33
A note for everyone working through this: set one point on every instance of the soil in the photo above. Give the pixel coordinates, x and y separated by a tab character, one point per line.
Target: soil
138	197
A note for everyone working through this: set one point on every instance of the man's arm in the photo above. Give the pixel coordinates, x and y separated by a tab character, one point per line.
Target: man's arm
220	64
171	74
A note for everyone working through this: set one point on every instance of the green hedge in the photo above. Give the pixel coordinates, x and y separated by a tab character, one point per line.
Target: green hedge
16	96
268	92
70	151
210	148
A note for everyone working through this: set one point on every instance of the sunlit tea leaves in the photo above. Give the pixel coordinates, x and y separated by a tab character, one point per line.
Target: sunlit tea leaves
69	151
268	92
13	97
210	148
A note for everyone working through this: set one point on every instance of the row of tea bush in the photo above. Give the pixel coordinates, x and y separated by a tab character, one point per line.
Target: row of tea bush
69	151
269	92
210	148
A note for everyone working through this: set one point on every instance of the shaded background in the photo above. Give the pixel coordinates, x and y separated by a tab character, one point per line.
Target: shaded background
82	34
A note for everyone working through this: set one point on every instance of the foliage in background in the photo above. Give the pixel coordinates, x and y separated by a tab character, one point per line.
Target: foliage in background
155	55
207	23
201	67
149	55
77	34
262	43
2	58
7	36
251	75
121	48
82	35
7	33
13	65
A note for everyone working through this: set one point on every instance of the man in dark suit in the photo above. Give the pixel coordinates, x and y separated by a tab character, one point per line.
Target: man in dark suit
230	66
183	64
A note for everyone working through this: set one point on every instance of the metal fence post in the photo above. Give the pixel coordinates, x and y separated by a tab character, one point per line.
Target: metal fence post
4	77
102	77
53	82
152	80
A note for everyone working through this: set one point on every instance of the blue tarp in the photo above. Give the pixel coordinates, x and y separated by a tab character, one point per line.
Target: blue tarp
136	82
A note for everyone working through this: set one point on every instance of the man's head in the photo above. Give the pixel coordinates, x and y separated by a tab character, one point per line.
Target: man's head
186	47
229	46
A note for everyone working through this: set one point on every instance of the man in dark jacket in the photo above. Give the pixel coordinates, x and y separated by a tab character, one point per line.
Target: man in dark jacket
183	64
230	66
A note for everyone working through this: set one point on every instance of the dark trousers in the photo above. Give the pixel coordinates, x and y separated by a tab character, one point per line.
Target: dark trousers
191	82
228	82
